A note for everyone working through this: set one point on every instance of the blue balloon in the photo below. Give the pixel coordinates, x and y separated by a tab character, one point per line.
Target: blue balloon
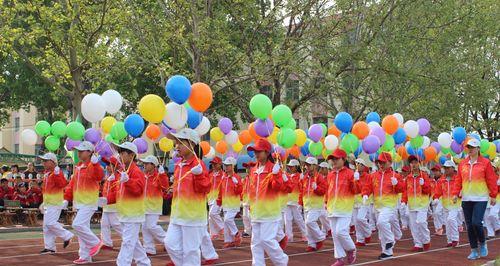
194	118
343	121
305	149
134	125
399	136
251	153
373	116
497	144
373	156
178	89
358	151
442	160
476	136
410	149
420	153
459	134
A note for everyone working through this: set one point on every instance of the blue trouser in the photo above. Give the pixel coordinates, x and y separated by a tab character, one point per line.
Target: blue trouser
474	213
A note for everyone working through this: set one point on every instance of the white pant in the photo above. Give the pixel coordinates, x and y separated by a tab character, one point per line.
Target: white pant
452	222
372	214
313	232
131	247
152	231
86	238
385	219
418	227
396	227
264	240
403	215
247	221
293	213
52	228
281	227
325	224
438	215
491	221
108	220
183	244
342	241
361	224
230	229
207	247
214	219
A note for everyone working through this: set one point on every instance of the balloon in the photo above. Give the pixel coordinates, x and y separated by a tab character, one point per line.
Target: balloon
411	128
52	143
475	135
459	134
93	107
201	97
176	116
492	150
104	149
134	125
58	129
261	106
373	116
178	89
152	108
281	115
349	143
211	154
225	125
484	145
152	132
442	160
142	145
118	131
92	135
263	128
167	145
75	130
305	148
444	139
203	127
205	147
315	148
292	124
193	118
436	146
112	101
29	137
273	138
231	138
399	117
497	143
401	150
110	139
301	137
237	147
373	125
287	137
245	138
315	132
379	132
417	142
71	144
251	129
430	153
324	129
456	147
390	124
360	129
426	143
251	154
294	151
108	122
42	128
388	144
331	142
221	147
423	126
399	136
370	144
343	121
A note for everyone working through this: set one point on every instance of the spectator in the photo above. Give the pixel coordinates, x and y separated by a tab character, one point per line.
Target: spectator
14	169
30	173
68	172
22	195
35	194
5	172
6	192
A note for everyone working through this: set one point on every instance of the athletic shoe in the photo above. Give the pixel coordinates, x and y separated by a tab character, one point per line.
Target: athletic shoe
81	261
246	235
104	247
427	246
67	243
389	245
284	242
95	249
454	244
417	249
319	245
474	255
359	244
209	262
368	239
483	250
384	256
351	256
310	249
339	262
47	251
448	245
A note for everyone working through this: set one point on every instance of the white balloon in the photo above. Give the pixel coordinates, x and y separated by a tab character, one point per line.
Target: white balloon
399	117
444	139
113	101
231	137
411	128
427	142
93	107
211	154
373	125
29	137
331	142
203	127
176	116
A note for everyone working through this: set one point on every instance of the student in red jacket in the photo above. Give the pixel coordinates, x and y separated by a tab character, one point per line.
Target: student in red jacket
293	212
110	217
247	221
215	222
6	192
22	195
35	194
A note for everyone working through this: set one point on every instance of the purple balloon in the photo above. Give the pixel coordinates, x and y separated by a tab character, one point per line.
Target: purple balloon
456	148
436	146
423	126
71	144
225	125
371	144
104	149
279	150
92	135
142	145
379	133
498	146
165	130
263	128
232	154
176	159
315	132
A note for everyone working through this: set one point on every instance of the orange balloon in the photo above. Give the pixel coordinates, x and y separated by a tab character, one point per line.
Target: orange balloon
333	130
221	147
153	132
390	124
430	153
201	97
205	147
252	132
402	152
360	129
294	151
245	137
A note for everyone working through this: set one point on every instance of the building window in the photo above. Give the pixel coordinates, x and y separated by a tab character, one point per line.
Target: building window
292	90
266	90
16	124
16	148
320	119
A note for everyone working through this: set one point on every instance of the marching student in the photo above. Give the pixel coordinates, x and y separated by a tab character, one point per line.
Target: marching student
215	222
293	211
110	217
53	190
324	169
247	221
361	211
156	181
83	190
403	208
437	206
491	218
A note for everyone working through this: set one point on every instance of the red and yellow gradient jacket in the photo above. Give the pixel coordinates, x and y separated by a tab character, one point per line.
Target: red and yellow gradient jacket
340	192
229	193
416	196
129	197
477	181
264	193
295	185
443	191
53	189
155	183
314	199
189	202
364	178
385	195
285	189
215	179
108	188
83	189
244	193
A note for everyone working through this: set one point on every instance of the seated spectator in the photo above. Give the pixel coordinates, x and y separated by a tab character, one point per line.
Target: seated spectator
6	192
35	194
22	195
30	173
14	169
5	172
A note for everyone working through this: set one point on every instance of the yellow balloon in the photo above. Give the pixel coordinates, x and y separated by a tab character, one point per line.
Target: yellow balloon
166	144
325	153
237	146
397	158
273	138
301	137
107	123
152	108
216	134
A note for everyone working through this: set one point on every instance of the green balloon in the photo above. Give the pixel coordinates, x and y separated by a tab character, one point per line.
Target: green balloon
417	142
52	143
484	146
287	137
349	143
110	139
118	131
292	124
75	130
325	129
58	129
389	143
42	128
446	150
261	106
315	148
282	115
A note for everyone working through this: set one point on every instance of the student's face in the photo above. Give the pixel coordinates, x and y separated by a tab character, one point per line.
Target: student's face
449	171
229	169
4	184
84	155
183	147
261	156
436	173
414	165
311	168
473	150
216	166
48	164
149	167
338	163
127	157
22	189
323	170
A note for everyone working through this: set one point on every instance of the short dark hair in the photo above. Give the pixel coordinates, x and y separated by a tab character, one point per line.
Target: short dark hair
5	168
4	180
14	165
